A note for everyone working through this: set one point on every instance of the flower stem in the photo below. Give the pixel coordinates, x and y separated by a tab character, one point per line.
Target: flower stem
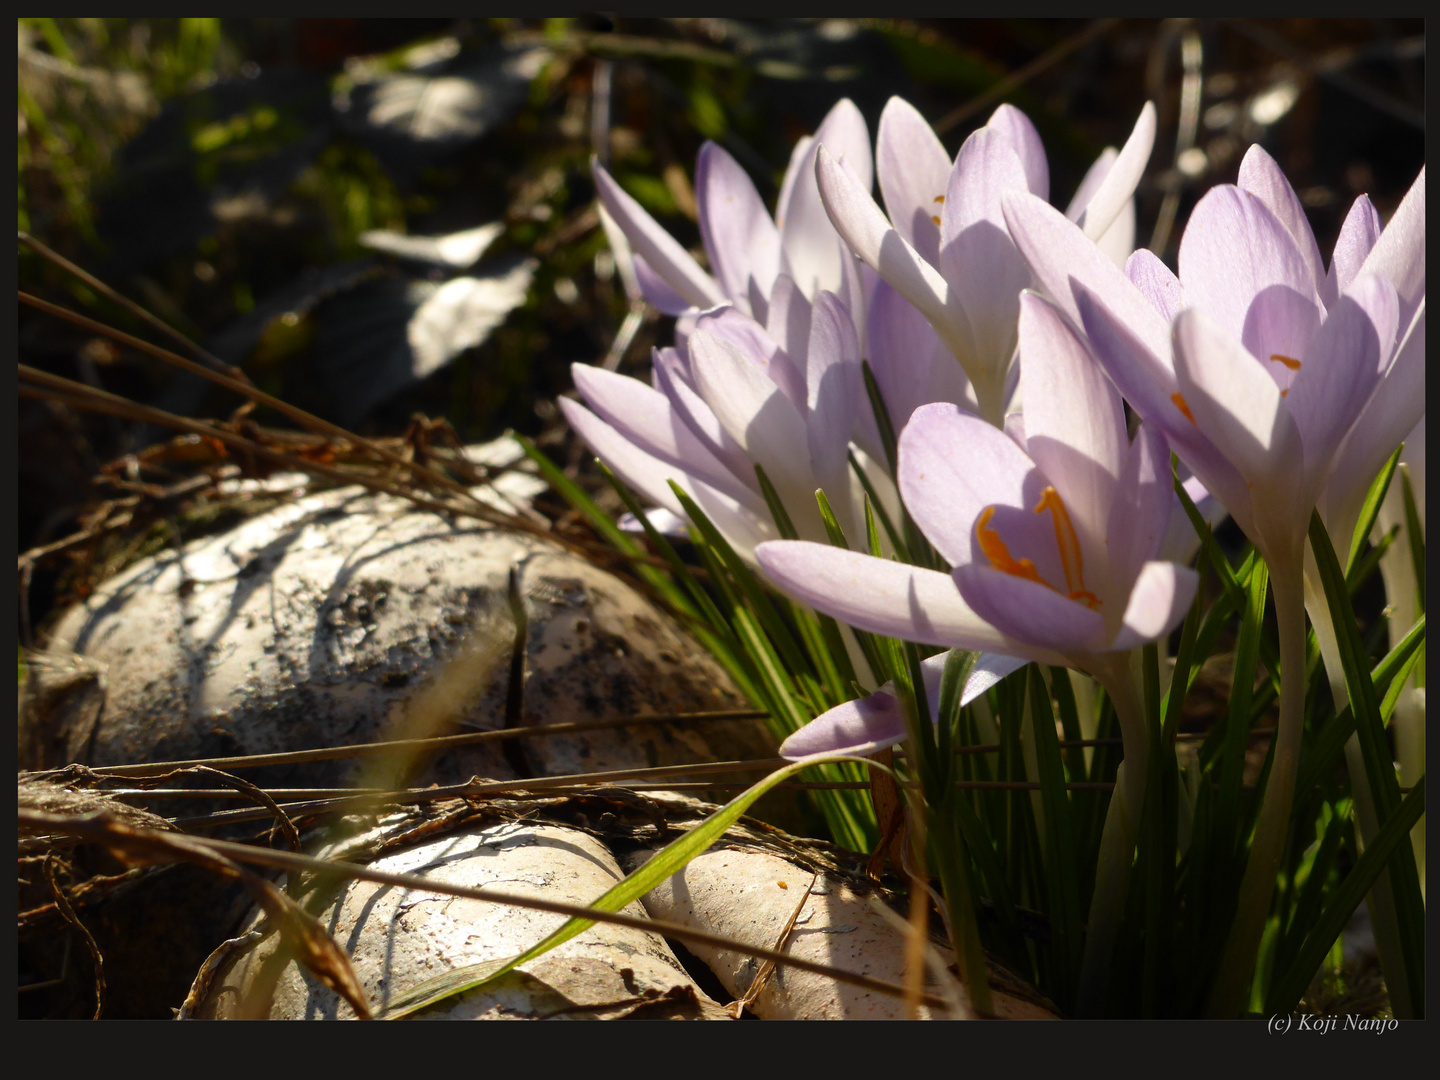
1117	839
1229	993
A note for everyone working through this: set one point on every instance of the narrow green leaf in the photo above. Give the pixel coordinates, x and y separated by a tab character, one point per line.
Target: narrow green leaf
1416	528
1379	760
1063	875
889	526
1392	839
1370	509
783	523
882	415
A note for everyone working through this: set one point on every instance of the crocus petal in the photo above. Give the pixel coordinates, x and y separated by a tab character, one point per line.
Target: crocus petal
872	723
739	236
1017	128
788	321
660	519
914	172
1395	407
645	473
691	408
859	727
833	382
1118	241
1341	369
1140	518
977	256
756	344
1234	401
862	225
1037	617
1061	257
1358	236
952	466
1399	254
757	415
1122	178
902	351
1278	330
1091	181
1162	595
656	246
1233	248
1261	177
813	262
645	417
657	290
881	596
1156	283
1149	384
1074	422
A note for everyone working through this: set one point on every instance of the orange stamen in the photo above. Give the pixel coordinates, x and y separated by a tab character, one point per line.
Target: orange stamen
1071	558
935	218
1289	362
1179	400
999	555
940	198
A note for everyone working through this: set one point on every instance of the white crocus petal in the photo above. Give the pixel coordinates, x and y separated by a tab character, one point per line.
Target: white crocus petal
1396	406
1122	178
1341	370
833	383
1158	603
1261	176
1238	406
870	235
692	409
883	597
644	472
1016	127
656	246
1399	254
804	229
646	417
757	415
914	171
1119	239
1358	235
740	238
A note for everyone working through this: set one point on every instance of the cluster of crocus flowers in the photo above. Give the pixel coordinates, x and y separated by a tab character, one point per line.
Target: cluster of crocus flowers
1003	335
1273	378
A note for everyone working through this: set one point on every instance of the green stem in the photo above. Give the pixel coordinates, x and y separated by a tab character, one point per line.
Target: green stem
1117	839
1230	992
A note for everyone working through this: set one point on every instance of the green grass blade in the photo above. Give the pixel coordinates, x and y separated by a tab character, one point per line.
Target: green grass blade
1392	839
1379	760
1370	509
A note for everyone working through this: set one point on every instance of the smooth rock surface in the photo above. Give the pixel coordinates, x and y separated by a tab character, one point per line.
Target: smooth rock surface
398	938
344	617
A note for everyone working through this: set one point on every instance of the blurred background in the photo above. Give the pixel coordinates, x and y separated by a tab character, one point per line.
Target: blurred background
379	218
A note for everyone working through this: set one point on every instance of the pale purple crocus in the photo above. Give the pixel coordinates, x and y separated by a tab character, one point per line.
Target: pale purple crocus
1053	537
733	400
945	246
770	269
1262	368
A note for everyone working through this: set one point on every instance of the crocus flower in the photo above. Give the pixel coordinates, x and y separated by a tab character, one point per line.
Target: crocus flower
768	268
945	246
1258	366
732	401
1053	536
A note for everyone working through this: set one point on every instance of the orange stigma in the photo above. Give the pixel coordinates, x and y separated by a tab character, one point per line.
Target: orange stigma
1066	542
1289	362
1179	400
